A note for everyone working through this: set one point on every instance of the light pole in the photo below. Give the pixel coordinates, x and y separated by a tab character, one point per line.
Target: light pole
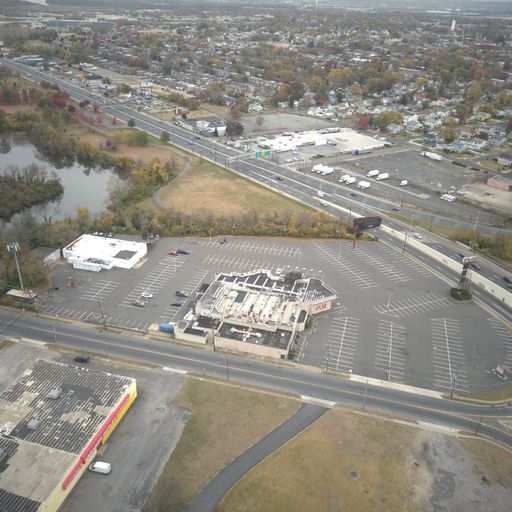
407	233
389	299
454	381
14	247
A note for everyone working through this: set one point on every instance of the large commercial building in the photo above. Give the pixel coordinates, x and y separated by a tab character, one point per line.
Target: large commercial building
53	420
91	252
256	312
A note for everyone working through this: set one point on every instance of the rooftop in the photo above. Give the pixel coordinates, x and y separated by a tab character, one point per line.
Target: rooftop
48	416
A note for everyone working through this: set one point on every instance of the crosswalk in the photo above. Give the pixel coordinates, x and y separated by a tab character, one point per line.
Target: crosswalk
341	344
448	355
390	350
413	305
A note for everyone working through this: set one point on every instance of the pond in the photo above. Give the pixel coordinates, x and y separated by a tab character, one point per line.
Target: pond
82	186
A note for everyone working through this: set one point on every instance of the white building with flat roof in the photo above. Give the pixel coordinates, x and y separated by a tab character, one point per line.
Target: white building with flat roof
94	253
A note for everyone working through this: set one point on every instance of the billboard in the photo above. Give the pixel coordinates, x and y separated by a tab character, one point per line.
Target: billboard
364	223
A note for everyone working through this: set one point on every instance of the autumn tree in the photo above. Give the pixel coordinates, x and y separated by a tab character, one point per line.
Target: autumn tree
164	137
131	122
234	128
259	121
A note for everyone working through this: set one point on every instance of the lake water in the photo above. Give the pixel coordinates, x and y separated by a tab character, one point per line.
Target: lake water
82	186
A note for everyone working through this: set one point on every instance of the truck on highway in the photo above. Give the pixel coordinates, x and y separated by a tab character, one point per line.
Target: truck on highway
432	156
382	176
363	184
373	173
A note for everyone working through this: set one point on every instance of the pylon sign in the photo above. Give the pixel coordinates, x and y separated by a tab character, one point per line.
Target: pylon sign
258	154
464	281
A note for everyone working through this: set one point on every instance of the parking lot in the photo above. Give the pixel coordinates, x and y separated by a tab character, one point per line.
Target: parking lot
392	320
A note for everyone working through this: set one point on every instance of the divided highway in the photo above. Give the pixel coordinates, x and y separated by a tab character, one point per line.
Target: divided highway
299	186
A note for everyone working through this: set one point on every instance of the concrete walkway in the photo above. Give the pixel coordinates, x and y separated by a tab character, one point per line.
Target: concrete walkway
217	488
156	193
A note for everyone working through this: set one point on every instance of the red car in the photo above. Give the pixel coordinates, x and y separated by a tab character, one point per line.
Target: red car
396	209
173	252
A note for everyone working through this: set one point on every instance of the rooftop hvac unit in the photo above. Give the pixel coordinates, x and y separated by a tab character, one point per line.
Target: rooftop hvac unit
33	423
54	394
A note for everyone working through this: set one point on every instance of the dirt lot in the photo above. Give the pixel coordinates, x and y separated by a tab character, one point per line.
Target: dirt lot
349	462
225	421
274	122
12	109
209	187
489	197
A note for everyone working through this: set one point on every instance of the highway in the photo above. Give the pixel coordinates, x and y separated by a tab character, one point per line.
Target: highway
302	187
299	380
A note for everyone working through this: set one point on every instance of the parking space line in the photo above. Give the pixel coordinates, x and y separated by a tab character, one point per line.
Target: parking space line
448	355
358	277
341	344
386	268
390	349
505	337
412	305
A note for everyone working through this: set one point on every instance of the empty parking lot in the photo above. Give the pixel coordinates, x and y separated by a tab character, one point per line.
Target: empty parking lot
392	320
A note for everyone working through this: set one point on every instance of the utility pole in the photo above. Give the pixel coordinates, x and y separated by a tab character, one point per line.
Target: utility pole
227	369
14	247
454	381
479	425
102	315
364	396
407	233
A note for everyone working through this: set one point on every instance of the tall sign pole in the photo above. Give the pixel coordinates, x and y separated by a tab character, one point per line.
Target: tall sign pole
14	248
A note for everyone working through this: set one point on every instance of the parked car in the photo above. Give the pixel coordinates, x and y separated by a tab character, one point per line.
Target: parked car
177	303
147	295
138	303
222	241
173	252
179	293
100	467
81	359
183	251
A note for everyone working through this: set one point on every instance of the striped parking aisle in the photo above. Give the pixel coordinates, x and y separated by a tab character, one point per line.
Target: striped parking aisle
390	350
413	305
361	279
341	344
448	355
100	290
386	268
505	337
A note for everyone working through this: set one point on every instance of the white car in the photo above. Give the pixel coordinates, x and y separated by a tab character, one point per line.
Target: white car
418	236
147	295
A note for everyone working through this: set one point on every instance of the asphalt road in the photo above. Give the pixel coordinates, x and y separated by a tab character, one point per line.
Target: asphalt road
218	487
259	169
300	380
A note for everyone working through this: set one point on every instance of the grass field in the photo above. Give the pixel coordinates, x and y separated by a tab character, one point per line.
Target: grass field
504	393
209	187
346	462
225	421
343	462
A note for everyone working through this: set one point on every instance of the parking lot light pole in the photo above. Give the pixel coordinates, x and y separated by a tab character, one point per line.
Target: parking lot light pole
454	381
407	233
227	369
14	248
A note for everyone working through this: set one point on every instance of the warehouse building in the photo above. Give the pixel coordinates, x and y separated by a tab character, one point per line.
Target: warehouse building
94	253
53	420
259	313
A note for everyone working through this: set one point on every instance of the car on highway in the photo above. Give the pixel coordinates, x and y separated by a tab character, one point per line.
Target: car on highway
279	178
173	252
396	209
353	194
475	266
508	280
460	255
81	359
417	235
177	303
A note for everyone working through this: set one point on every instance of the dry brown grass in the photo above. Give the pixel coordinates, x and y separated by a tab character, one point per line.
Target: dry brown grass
225	422
312	472
209	187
